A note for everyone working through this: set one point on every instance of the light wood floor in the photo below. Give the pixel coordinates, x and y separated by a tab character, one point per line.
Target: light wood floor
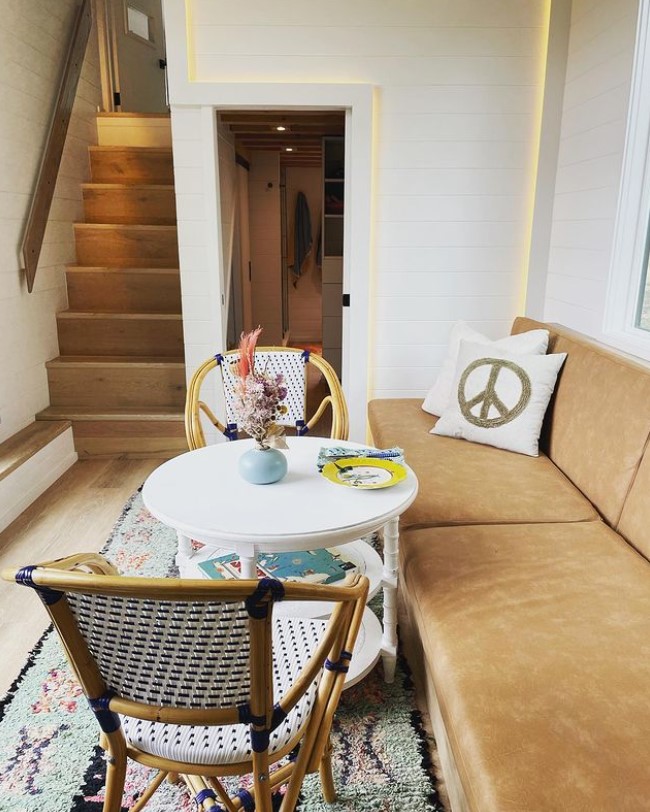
75	515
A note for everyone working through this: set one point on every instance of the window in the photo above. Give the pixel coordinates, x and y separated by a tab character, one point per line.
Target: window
138	23
643	305
627	311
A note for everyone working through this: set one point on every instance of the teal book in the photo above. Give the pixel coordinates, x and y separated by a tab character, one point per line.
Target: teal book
314	566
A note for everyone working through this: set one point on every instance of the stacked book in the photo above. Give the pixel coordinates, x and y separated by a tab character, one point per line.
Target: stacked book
314	566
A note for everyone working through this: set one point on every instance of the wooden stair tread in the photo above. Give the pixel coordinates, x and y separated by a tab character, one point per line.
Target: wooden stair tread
124	297
18	448
114	361
82	314
83	413
125	226
119	269
118	148
166	116
131	187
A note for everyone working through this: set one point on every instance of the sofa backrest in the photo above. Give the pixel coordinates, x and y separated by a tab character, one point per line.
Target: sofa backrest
634	524
598	423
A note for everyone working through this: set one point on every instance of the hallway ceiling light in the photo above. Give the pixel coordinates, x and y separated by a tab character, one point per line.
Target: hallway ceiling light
288	149
280	128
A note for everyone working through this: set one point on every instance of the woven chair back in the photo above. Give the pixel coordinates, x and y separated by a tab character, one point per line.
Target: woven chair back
201	653
167	653
182	645
293	364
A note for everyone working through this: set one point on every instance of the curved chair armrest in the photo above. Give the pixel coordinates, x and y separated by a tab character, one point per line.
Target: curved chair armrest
88	562
93	562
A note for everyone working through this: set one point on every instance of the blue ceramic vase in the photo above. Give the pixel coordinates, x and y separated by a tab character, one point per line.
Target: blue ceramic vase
262	466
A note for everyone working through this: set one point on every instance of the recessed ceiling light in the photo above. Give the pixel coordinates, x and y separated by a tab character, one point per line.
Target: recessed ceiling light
280	128
288	149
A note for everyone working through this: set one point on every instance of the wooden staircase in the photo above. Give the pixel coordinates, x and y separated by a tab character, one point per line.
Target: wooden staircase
120	376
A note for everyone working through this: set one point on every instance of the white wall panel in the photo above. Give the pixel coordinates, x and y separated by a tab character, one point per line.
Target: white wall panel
446	259
601	50
449	208
21	488
33	41
458	93
303	40
419	308
450	181
511	99
408	333
487	283
369	14
608	106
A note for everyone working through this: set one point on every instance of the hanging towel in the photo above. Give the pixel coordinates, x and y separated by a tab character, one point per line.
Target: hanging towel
302	239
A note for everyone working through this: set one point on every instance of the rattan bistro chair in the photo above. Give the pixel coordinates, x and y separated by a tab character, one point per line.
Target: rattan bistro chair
290	362
198	679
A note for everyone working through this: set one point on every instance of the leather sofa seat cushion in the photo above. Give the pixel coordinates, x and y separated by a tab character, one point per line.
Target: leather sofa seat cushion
599	419
538	642
467	483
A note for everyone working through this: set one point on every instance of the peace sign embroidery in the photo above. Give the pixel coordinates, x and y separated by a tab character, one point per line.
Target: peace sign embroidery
489	398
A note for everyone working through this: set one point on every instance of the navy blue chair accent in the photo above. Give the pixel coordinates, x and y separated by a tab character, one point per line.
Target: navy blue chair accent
107	720
48	596
342	664
246	799
256	606
203	795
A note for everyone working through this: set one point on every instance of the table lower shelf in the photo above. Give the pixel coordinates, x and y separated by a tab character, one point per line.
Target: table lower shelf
367	649
366	558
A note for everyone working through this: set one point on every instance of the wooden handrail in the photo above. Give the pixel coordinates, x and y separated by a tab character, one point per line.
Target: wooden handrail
46	180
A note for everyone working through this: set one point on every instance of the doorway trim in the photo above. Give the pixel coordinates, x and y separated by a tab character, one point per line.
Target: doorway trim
357	102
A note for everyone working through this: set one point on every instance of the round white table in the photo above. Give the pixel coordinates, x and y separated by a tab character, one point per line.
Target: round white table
202	496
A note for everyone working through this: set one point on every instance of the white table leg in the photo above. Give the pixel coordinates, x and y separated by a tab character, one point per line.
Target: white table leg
248	566
185	550
389	582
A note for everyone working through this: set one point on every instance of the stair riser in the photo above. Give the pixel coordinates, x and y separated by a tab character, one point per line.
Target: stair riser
129	438
142	206
116	387
132	337
127	247
134	131
114	292
126	166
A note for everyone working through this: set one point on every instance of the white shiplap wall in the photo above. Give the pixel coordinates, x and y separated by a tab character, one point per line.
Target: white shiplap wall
33	40
599	67
200	204
193	188
459	88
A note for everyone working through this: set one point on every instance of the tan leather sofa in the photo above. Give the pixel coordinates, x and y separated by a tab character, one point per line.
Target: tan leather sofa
525	590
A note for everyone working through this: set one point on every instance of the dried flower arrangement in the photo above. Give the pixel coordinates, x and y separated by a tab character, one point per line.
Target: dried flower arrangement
258	397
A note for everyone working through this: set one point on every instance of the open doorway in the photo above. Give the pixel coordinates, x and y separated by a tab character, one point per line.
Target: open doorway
283	204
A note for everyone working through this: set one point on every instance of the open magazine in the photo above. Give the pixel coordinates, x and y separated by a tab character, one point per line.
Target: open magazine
314	566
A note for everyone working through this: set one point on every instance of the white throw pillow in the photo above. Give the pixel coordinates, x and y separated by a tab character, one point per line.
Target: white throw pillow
501	397
533	342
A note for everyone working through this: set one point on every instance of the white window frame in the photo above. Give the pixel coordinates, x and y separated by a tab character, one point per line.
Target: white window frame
632	228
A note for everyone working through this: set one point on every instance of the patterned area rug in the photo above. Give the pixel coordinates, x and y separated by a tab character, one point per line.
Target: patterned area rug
49	759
